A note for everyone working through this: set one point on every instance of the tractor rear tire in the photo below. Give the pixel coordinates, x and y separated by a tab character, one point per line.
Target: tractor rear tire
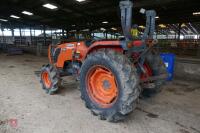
105	66
49	78
158	67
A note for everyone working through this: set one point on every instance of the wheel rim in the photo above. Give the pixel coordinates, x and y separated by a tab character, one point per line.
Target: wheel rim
46	79
101	86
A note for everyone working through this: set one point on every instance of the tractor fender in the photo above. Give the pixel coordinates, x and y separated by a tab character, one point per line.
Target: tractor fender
104	44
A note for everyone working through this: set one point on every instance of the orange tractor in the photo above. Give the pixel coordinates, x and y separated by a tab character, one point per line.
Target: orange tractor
112	73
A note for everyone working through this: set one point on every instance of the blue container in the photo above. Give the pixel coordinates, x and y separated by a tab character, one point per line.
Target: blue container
169	60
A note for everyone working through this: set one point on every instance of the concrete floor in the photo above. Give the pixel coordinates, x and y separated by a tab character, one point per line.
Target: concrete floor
175	110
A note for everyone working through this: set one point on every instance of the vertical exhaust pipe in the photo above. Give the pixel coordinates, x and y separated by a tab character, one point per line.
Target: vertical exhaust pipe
150	24
126	18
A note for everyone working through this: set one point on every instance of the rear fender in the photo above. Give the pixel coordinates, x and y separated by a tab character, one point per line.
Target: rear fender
104	44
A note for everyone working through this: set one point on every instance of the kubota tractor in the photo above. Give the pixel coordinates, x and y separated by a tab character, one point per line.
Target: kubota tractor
112	74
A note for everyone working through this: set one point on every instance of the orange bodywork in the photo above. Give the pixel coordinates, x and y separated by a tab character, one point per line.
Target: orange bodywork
68	50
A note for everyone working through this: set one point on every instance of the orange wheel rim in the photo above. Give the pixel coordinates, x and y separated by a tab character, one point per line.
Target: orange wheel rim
101	86
46	79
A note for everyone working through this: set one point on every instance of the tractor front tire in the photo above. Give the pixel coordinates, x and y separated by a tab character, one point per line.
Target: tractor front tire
49	78
109	84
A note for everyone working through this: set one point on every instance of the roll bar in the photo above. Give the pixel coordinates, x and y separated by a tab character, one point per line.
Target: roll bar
126	7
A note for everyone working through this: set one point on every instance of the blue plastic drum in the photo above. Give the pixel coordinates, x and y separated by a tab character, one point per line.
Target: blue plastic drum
169	60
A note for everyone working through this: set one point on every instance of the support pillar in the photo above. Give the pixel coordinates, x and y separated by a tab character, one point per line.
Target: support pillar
198	51
106	35
13	35
45	39
63	33
31	36
20	32
179	31
34	37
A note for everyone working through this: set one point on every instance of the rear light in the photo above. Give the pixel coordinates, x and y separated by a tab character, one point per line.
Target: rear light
137	43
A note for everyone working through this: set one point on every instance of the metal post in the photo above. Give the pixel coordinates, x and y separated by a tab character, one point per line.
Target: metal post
3	36
179	31
12	30
31	36
1	32
20	32
51	36
63	33
13	34
77	33
56	34
198	51
175	35
45	39
156	35
67	34
34	36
